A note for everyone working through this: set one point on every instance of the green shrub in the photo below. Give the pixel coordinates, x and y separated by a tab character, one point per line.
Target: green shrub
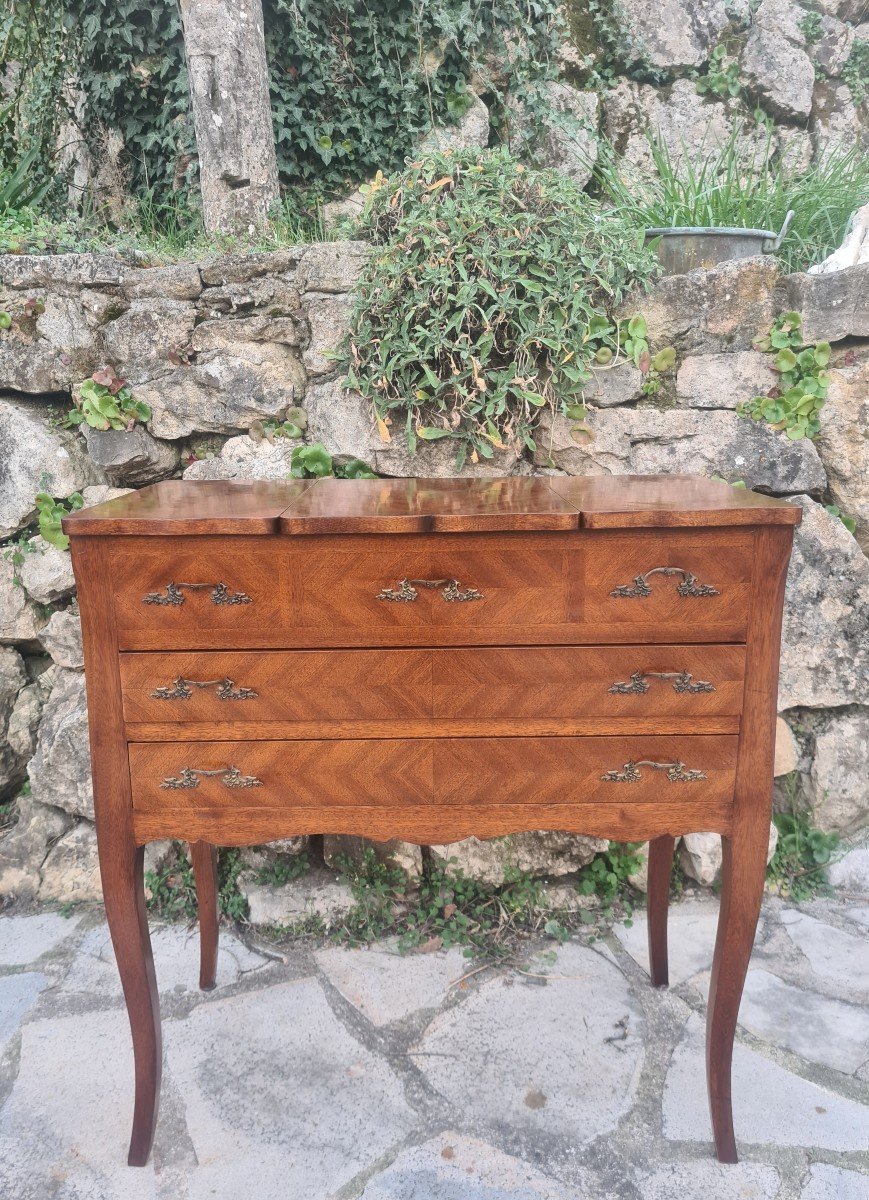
799	866
491	289
315	462
106	402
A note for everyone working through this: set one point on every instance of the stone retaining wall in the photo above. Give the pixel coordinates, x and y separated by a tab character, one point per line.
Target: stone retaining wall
215	347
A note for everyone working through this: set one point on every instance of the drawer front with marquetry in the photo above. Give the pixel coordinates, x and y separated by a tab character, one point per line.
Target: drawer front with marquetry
327	693
416	772
445	589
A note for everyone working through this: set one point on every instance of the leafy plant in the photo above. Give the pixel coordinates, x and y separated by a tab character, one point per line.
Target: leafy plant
171	891
607	875
798	867
850	523
742	183
51	513
794	403
106	402
722	75
486	300
811	27
855	73
315	462
293	425
18	189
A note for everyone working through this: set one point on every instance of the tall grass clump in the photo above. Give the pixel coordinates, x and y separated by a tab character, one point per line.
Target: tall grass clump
741	183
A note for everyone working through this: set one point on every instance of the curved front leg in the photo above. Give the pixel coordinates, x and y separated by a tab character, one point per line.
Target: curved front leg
122	870
660	870
204	858
743	872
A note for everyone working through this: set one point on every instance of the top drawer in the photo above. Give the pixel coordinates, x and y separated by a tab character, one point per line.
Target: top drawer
435	589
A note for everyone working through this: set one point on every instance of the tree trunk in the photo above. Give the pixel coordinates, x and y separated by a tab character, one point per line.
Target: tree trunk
232	114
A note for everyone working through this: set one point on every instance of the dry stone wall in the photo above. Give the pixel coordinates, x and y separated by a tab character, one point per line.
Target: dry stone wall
217	346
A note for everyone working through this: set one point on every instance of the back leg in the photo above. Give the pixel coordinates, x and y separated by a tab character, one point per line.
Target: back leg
204	857
660	871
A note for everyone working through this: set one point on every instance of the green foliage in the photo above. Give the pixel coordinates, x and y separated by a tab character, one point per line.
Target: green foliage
283	869
51	513
856	71
18	189
607	875
795	402
488	298
798	867
292	425
106	402
315	462
722	75
742	183
811	27
352	86
170	892
32	46
850	523
608	44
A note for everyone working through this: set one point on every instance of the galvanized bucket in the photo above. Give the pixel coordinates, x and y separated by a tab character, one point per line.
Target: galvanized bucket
685	248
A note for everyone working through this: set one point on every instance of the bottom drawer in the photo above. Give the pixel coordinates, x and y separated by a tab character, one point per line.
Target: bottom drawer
433	773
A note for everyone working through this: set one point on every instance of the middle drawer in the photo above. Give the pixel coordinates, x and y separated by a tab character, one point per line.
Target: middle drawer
382	693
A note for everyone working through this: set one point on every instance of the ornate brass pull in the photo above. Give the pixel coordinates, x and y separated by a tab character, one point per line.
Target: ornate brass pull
690	585
405	590
230	777
630	772
226	690
220	594
683	681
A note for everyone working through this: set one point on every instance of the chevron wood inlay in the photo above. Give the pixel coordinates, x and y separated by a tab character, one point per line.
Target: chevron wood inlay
547	588
512	684
417	771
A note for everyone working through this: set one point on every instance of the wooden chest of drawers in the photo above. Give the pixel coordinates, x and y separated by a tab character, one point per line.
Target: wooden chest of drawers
430	660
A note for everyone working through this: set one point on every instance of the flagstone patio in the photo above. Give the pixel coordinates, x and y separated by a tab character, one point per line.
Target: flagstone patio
367	1075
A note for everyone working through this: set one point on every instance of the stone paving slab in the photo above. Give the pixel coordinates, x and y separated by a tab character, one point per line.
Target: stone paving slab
691	931
709	1180
176	962
814	1027
455	1167
770	1105
833	1183
18	994
25	939
276	1089
836	957
64	1128
386	986
561	1054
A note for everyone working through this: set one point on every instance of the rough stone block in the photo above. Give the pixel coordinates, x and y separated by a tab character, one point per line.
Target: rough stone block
333	266
840	773
676	33
825	640
131	456
779	73
723	380
23	848
833	306
843	443
315	894
46	572
21	621
60	772
244	458
71	871
530	853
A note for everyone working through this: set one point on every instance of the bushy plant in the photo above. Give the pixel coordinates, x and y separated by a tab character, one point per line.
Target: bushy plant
490	291
794	402
105	401
51	513
315	462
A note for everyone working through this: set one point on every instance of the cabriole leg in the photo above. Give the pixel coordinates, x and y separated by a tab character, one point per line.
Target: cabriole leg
742	878
122	870
658	899
204	857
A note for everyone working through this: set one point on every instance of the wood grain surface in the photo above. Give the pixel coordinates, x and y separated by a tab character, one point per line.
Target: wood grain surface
435	771
545	588
511	685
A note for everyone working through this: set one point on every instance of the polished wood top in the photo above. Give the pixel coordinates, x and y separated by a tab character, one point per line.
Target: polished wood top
330	506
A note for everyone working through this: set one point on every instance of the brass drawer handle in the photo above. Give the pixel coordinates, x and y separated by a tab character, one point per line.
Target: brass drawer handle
220	594
405	590
181	690
630	772
230	777
683	681
690	585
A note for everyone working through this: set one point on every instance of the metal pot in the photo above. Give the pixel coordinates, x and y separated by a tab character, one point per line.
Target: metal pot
688	247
